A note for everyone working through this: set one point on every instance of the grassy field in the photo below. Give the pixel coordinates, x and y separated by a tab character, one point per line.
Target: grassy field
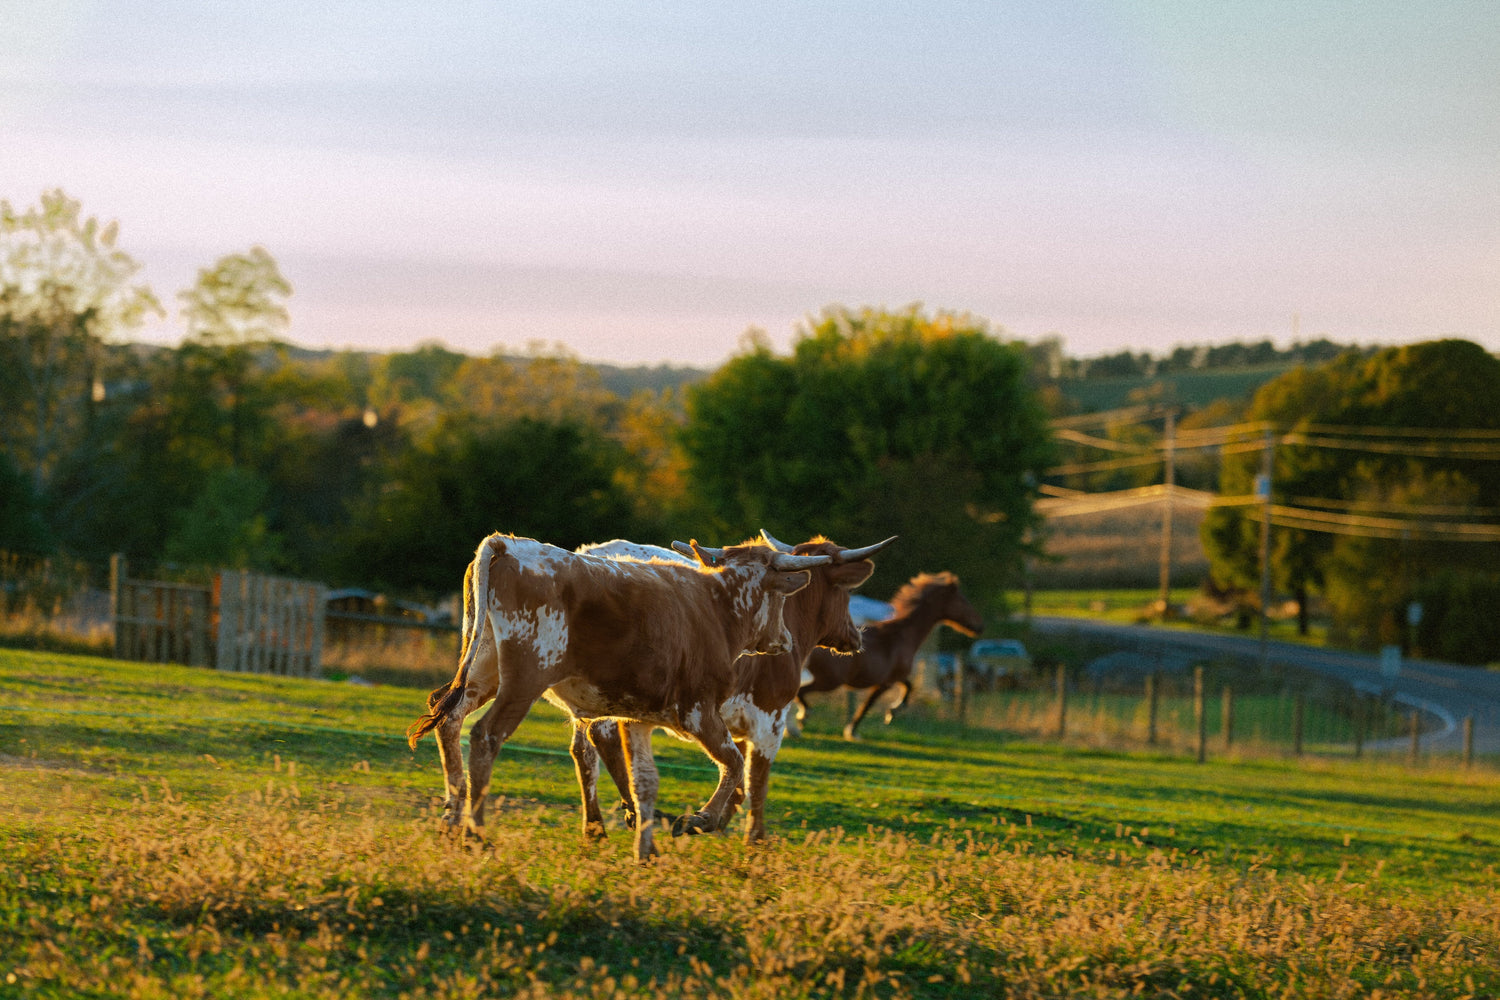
168	832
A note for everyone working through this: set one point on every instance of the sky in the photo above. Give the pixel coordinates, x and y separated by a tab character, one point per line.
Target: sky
644	182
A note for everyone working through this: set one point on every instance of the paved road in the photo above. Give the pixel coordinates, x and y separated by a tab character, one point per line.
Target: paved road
1447	691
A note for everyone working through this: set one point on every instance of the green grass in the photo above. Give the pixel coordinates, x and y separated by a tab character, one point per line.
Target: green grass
166	831
1126	606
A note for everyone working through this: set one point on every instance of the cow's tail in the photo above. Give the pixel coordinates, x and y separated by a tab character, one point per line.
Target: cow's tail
445	699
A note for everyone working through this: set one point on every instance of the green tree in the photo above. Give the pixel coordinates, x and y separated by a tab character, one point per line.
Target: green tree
878	423
233	312
22	528
64	288
226	525
1367	581
554	481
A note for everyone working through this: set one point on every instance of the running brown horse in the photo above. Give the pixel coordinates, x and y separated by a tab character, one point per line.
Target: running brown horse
887	647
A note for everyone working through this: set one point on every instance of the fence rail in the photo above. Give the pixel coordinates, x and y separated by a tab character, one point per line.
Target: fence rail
245	622
270	624
160	622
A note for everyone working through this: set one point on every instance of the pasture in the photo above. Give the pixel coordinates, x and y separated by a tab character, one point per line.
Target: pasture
172	832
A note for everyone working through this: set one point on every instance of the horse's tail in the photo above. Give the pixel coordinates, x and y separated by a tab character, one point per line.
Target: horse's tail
445	699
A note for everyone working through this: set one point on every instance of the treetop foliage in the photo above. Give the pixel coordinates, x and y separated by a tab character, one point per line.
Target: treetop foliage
878	423
1443	384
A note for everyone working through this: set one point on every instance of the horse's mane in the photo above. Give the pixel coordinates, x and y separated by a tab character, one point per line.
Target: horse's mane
913	591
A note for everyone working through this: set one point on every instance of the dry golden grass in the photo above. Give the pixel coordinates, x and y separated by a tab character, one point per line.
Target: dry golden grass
276	894
158	839
30	627
403	657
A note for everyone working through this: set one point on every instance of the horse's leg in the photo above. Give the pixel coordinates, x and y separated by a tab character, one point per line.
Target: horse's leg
899	703
874	695
606	737
586	763
635	738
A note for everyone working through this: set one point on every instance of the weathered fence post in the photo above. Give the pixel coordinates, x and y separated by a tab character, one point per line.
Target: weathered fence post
1299	714
1151	696
1361	720
1227	712
1200	713
960	689
1468	741
1414	721
118	610
1062	700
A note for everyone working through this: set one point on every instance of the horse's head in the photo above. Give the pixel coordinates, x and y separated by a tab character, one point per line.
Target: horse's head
939	595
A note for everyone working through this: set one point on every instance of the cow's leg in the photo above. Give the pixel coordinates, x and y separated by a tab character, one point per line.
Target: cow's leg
762	754
604	734
717	743
899	703
450	753
864	708
635	738
586	763
757	784
485	740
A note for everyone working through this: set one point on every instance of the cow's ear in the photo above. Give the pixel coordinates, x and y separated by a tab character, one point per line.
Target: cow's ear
789	583
853	574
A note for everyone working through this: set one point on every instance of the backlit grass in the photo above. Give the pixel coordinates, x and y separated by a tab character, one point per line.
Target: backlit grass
175	832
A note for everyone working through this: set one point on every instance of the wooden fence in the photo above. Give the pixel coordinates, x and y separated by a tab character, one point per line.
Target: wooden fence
244	622
270	624
160	622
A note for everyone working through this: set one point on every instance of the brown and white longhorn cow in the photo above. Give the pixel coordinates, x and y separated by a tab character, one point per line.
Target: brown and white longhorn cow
764	685
652	643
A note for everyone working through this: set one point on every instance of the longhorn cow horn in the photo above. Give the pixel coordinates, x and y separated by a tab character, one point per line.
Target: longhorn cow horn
791	563
776	544
706	554
854	555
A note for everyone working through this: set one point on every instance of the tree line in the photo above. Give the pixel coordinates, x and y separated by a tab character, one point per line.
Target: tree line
234	449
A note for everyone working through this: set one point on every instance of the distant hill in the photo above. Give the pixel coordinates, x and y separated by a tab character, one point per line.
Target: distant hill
626	382
1191	388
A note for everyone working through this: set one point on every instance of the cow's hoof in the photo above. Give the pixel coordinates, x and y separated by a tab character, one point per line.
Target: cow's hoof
889	716
850	734
594	830
628	809
692	825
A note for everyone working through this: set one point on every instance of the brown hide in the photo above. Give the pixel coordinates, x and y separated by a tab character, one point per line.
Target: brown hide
888	647
653	639
817	615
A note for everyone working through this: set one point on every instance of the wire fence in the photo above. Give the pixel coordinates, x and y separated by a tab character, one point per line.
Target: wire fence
1226	706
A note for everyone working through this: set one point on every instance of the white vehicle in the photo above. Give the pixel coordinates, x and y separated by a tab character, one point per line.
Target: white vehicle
999	663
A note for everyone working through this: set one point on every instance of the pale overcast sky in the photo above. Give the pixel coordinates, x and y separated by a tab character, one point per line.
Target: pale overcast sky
644	182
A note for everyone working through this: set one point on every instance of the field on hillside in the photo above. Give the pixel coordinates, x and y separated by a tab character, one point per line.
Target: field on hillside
170	832
1120	549
1195	388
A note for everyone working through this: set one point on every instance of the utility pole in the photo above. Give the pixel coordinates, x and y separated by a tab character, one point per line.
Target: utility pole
1263	490
1169	444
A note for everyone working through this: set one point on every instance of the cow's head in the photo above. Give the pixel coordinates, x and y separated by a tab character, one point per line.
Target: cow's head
820	613
762	579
